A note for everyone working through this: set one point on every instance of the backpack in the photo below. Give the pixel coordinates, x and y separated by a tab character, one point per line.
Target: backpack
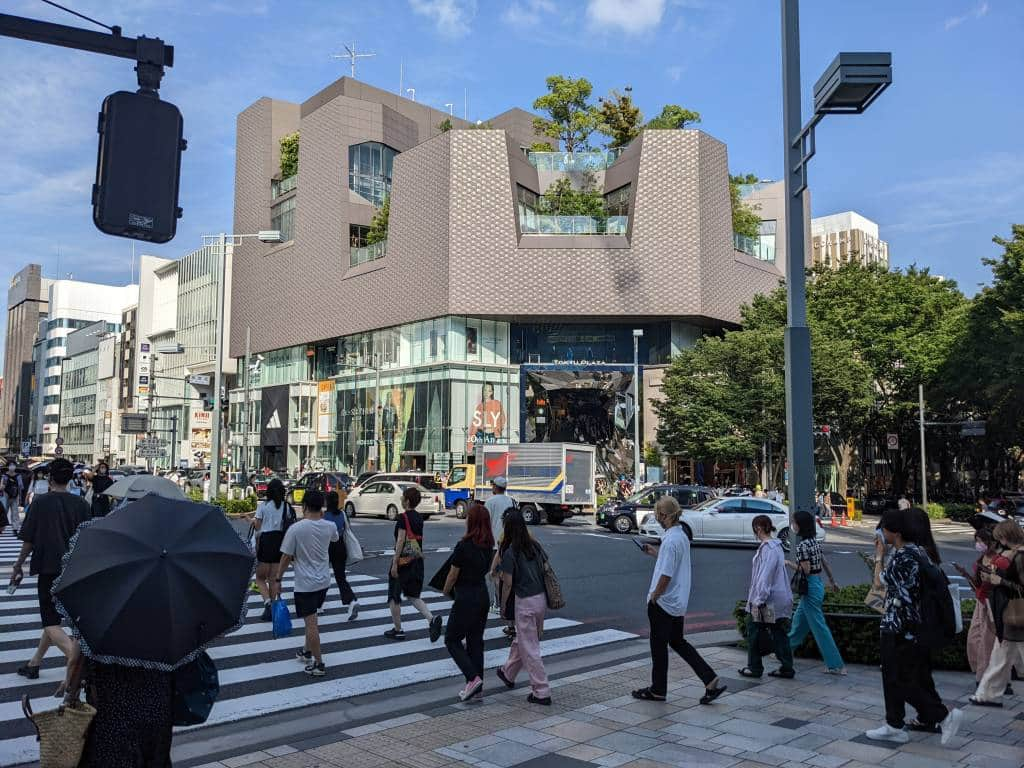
11	486
288	517
938	614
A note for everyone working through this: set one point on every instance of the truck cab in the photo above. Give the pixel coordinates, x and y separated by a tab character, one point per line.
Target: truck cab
458	488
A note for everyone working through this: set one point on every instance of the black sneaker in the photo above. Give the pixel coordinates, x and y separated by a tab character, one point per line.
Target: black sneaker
265	616
317	669
32	673
304	656
501	676
394	634
435	629
546	701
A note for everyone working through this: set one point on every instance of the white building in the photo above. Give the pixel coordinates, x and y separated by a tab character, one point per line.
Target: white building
845	238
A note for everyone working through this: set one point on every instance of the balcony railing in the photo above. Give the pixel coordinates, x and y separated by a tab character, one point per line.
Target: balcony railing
542	224
361	254
761	248
573	161
283	186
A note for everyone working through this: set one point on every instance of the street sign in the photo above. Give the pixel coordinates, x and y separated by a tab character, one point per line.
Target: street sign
26	447
59	440
134	423
58	451
892	441
148	448
199	379
972	428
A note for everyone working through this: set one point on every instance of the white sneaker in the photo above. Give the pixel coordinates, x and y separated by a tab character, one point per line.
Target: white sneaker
353	610
888	733
951	725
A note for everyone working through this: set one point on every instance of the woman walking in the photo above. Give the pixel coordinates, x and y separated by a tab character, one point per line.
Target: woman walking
1006	598
406	574
270	525
522	594
769	603
339	555
981	636
101	480
467	584
809	615
40	485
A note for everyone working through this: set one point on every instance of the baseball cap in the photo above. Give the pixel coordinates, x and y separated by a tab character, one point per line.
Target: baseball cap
500	481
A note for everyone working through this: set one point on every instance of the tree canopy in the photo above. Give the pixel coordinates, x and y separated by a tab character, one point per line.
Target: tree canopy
673	117
745	219
621	119
571	117
379	223
562	199
289	155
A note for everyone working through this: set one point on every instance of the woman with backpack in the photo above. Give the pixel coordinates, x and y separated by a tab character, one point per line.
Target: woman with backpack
906	662
273	516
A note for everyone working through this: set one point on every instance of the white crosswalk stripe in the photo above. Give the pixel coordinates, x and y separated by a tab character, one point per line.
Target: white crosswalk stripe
258	673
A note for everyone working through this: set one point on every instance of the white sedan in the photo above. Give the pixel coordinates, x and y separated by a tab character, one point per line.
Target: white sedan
384	498
726	520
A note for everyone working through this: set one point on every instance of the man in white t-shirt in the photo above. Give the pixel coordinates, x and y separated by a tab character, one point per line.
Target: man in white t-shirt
499	503
307	544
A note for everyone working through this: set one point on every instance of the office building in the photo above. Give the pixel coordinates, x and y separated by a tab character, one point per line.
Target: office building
28	297
483	317
847	238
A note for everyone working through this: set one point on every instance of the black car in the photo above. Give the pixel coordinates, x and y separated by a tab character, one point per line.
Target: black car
622	516
876	502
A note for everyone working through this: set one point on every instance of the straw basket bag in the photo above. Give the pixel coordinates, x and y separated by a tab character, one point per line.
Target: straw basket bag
60	732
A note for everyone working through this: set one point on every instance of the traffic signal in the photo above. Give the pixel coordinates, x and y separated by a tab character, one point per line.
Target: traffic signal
207	402
138	167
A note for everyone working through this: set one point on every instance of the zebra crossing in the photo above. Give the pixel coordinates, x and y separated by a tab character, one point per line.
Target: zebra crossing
258	673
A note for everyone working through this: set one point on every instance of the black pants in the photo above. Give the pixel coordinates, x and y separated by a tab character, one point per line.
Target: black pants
907	679
338	555
667	631
466	622
779	634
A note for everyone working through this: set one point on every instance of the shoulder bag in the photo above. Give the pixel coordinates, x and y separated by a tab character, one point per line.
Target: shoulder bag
411	549
1013	613
552	588
60	732
353	549
196	687
799	581
875	598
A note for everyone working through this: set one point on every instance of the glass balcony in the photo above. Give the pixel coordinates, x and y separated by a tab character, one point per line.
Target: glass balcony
283	186
749	189
761	248
361	254
573	161
542	224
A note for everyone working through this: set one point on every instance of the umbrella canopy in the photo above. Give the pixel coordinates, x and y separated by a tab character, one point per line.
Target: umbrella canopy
135	487
152	584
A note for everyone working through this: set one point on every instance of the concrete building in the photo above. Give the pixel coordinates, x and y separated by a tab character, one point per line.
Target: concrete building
484	317
768	198
73	305
28	297
77	404
847	238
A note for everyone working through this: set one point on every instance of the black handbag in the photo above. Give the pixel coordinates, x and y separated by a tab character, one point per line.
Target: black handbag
196	687
799	582
437	581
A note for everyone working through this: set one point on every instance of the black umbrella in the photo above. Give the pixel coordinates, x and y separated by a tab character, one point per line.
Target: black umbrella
154	582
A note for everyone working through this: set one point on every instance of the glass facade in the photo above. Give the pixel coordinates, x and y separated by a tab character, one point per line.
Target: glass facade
370	166
534	218
761	247
282	217
574	161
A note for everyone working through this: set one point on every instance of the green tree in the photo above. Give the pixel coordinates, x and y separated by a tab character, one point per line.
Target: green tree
620	119
379	223
571	117
562	199
445	125
541	146
289	155
673	116
745	218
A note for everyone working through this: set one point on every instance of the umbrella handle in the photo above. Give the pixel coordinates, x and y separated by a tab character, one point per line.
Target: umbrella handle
26	708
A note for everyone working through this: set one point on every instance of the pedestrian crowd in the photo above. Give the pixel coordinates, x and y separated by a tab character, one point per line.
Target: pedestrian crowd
498	565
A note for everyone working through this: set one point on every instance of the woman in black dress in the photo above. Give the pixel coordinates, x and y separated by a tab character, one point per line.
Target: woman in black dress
101	480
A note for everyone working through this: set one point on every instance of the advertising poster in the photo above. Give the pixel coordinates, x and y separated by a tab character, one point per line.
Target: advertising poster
324	393
489	422
200	434
274	426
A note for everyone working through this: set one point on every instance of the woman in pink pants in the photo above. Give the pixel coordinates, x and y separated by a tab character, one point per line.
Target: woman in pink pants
522	581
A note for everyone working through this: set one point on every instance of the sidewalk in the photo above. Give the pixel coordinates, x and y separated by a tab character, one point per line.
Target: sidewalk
815	720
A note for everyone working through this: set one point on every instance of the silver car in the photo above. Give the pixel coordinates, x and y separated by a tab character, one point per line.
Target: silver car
383	498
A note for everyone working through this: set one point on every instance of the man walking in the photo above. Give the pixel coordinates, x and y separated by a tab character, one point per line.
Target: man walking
667	601
50	522
307	544
499	503
13	490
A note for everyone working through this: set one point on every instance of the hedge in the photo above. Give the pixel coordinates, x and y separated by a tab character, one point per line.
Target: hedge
854	627
231	507
959	512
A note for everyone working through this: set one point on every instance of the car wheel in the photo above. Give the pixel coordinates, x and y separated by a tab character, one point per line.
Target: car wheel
530	514
460	509
622	524
784	538
350	510
688	532
392	513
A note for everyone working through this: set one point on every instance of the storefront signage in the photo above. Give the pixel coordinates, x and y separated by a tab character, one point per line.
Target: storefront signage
275	416
325	390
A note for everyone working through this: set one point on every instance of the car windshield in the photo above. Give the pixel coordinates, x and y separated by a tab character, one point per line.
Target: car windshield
709	503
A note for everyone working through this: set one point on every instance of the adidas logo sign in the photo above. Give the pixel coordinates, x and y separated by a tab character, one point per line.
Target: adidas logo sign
275	421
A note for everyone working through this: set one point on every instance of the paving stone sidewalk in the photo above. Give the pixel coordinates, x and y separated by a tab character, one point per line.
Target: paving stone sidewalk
815	720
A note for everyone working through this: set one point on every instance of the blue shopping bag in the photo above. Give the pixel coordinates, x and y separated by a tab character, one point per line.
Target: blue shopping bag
282	618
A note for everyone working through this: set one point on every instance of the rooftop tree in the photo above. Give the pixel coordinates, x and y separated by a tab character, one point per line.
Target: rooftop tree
289	155
620	119
571	117
745	219
673	116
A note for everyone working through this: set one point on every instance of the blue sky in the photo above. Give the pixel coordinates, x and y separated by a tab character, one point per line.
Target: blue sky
938	161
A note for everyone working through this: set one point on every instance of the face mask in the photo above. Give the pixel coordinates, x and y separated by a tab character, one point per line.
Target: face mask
981	546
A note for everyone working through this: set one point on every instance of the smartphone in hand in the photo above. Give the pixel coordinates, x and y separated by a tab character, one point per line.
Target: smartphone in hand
640	544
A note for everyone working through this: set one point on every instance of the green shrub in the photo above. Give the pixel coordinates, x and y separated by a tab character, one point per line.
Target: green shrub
854	627
936	511
959	512
194	494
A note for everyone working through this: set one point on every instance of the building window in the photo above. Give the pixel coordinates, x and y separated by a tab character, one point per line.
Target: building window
369	171
282	217
51	399
616	202
51	381
53	362
57	341
357	234
765	244
51	418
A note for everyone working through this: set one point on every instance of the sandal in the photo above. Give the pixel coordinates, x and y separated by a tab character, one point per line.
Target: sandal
646	694
710	694
984	703
783	674
746	672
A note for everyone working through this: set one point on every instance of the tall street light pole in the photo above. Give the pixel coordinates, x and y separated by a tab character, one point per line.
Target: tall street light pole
637	334
849	85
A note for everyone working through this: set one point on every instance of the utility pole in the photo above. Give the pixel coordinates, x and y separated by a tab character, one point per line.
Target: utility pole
637	334
376	415
245	409
352	56
924	460
218	373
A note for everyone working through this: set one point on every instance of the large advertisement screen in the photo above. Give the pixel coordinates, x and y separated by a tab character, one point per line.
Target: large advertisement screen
592	405
275	415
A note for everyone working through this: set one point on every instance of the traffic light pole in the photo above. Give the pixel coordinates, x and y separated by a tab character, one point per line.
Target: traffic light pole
218	373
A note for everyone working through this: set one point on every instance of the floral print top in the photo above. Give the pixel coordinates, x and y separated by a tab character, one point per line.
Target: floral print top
902	578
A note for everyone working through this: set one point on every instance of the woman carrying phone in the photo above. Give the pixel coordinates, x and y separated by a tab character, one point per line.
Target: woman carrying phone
982	634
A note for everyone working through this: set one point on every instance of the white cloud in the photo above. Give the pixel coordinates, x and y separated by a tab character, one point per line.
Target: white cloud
527	13
631	16
981	9
674	73
451	17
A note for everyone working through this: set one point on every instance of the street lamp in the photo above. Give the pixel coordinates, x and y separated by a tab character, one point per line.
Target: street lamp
850	84
637	334
264	236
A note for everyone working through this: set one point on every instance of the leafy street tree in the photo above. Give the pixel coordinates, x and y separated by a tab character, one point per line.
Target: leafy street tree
674	117
621	119
379	223
745	219
571	117
289	155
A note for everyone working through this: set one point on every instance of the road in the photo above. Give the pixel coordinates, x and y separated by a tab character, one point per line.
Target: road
603	575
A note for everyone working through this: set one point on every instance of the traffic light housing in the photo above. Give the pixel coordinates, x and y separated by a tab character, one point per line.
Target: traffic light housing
207	402
138	167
